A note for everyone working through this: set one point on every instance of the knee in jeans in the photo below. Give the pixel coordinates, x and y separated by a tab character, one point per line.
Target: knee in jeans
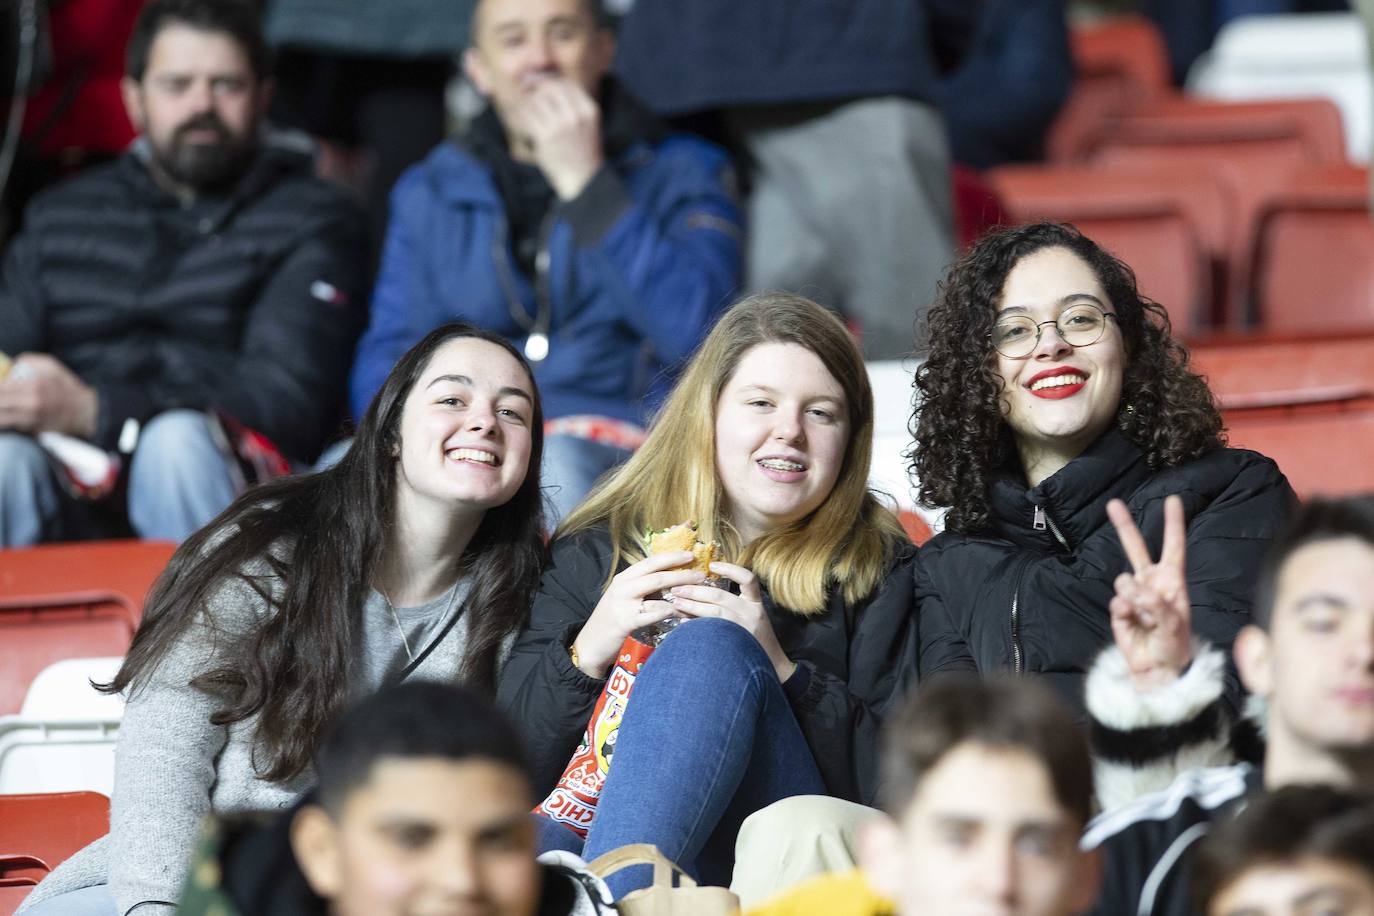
172	443
21	456
714	644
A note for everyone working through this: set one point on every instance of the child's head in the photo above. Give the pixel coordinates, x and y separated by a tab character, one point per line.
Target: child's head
423	807
988	785
1298	850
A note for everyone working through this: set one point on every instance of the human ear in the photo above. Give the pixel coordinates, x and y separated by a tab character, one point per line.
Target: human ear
880	855
476	71
315	841
1255	661
132	93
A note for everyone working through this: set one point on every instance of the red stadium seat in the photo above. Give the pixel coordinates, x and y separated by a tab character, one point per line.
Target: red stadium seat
1120	65
1184	131
1170	225
70	601
1292	397
37	832
1310	263
1254	372
11	896
914	526
1300	437
127	568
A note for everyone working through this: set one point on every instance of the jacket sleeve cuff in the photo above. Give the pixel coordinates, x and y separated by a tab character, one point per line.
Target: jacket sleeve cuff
569	675
1143	739
802	688
592	213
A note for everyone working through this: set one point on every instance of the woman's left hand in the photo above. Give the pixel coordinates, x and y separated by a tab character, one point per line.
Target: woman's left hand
745	609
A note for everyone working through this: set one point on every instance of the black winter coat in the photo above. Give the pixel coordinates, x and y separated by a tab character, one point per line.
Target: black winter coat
853	663
250	303
1032	594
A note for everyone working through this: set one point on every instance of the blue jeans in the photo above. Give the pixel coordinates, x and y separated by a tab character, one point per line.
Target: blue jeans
178	481
571	466
708	739
89	901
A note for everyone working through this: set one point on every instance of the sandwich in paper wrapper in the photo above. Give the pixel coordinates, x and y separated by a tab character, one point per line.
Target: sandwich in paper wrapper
572	802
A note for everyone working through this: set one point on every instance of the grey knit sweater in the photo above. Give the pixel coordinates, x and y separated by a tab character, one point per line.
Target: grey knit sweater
172	766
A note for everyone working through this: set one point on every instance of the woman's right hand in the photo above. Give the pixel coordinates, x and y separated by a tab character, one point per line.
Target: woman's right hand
1151	614
626	606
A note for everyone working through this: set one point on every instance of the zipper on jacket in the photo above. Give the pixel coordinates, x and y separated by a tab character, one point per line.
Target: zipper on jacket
536	327
1043	520
1018	659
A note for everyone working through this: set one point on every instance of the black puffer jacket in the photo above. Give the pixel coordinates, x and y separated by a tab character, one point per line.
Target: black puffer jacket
1032	595
852	664
250	303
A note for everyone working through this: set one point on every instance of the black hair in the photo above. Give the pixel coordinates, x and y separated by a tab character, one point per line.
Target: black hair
410	720
1318	520
310	546
239	19
997	712
1286	826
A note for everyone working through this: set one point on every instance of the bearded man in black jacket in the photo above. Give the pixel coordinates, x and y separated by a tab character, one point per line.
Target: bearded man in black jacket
196	295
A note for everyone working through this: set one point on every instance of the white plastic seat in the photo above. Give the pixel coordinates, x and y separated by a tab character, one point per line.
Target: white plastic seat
1282	57
57	755
63	691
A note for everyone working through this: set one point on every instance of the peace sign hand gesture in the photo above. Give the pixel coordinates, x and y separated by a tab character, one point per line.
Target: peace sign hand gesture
1151	615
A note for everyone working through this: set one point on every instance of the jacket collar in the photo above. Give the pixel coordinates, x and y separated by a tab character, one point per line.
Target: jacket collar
629	131
1075	499
279	155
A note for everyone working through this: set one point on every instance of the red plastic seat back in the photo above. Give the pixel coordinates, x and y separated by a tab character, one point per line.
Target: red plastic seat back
64	601
1311	261
125	568
1171	226
1300	439
1257	371
1119	66
38	832
35	632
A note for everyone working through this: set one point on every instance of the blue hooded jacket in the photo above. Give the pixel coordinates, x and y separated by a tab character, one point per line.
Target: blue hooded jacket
635	270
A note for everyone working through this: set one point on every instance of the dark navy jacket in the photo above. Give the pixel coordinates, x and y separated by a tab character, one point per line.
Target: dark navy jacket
638	267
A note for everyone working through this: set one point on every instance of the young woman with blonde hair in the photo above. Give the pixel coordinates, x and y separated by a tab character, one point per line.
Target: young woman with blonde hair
776	686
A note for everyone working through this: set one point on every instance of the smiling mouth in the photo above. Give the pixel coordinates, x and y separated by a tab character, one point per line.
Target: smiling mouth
475	455
781	464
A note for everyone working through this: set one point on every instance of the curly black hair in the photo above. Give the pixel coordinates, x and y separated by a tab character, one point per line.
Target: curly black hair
961	438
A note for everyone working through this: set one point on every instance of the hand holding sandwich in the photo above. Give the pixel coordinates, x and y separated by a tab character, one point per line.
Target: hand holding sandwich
632	601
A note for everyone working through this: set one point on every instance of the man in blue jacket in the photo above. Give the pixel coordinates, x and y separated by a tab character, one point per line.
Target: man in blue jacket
568	220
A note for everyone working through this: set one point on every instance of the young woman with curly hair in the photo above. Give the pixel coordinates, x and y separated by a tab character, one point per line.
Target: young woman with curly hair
1051	388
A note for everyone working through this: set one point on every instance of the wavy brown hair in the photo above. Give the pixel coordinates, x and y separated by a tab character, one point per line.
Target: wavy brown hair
309	547
962	440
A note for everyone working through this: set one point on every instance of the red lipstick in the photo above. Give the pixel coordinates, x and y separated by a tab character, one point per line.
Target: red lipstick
1058	392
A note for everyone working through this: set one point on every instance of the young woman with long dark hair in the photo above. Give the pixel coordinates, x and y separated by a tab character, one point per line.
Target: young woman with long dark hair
417	555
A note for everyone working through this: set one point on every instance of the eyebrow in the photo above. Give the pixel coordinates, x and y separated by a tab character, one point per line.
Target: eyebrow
1320	599
1334	894
837	398
1071	297
464	380
505	825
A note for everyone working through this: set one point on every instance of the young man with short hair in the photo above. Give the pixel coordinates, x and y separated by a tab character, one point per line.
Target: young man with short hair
1309	655
423	807
988	785
1298	851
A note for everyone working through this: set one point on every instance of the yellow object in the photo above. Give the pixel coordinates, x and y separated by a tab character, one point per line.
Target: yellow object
844	894
5	363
